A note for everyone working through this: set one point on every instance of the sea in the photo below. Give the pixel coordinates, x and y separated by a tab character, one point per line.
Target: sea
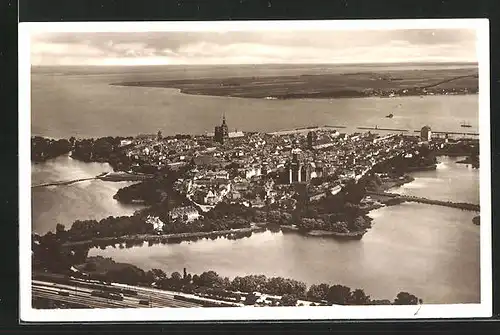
429	251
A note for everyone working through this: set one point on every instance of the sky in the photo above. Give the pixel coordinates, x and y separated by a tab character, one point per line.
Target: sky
243	47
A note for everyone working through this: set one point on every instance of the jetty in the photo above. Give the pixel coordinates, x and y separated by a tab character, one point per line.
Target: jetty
384	129
306	129
451	133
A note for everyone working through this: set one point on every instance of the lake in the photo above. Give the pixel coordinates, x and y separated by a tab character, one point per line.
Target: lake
92	199
434	256
430	251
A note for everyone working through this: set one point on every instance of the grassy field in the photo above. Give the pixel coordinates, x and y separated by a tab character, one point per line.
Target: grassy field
359	84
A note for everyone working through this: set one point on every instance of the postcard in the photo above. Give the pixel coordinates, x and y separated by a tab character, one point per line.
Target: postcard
275	170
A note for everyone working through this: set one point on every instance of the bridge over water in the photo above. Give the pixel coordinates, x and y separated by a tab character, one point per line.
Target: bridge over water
409	198
66	182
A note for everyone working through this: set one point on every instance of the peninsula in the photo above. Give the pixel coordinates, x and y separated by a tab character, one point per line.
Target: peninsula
382	83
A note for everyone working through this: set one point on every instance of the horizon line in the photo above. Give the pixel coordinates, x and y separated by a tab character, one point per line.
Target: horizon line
260	64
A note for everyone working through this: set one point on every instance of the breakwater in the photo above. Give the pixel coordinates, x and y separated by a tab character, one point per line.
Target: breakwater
451	132
384	129
306	129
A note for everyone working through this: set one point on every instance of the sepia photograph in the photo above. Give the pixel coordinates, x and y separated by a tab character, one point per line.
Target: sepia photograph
270	170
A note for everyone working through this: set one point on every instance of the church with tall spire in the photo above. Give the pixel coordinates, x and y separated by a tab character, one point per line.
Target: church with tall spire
221	133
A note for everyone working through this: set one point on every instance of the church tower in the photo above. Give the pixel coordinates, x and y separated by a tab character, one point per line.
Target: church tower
222	131
225	129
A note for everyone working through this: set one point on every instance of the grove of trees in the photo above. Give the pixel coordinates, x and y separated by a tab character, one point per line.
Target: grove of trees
209	283
44	148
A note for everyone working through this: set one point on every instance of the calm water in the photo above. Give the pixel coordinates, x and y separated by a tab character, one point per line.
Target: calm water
64	204
430	251
85	105
435	256
450	181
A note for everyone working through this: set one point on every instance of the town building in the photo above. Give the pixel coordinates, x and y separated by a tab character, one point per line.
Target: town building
425	134
187	214
156	223
311	139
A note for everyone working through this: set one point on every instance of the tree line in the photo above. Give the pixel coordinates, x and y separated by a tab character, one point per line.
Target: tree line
223	217
211	283
104	149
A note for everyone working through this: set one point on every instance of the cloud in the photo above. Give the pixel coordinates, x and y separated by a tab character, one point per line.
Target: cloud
253	47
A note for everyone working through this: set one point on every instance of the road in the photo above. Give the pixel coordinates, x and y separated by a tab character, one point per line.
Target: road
78	294
450	80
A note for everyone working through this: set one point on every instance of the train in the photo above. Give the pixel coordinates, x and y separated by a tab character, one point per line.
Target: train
95	284
205	303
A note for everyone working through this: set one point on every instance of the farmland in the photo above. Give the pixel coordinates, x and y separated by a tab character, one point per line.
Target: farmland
330	85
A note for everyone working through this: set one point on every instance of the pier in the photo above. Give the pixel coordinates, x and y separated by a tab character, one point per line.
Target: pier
409	198
451	133
384	129
306	129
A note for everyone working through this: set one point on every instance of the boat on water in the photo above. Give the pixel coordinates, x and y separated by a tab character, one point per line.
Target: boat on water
390	116
465	125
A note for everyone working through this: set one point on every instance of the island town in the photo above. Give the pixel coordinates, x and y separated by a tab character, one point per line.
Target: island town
316	181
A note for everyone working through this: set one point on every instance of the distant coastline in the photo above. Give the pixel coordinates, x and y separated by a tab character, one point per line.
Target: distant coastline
384	84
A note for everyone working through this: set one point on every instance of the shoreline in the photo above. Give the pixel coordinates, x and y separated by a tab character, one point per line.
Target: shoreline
323	233
181	237
256	227
159	238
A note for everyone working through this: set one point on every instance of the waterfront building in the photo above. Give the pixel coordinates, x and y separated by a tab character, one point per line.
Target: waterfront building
124	143
236	134
156	222
425	134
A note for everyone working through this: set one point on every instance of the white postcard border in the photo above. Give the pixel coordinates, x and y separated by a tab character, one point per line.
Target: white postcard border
28	314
